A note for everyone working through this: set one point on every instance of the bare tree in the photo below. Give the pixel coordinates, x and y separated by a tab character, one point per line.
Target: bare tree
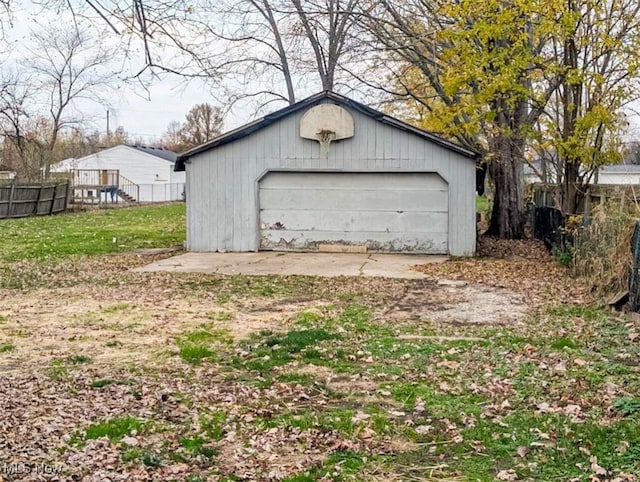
15	94
65	68
203	123
171	137
69	66
265	50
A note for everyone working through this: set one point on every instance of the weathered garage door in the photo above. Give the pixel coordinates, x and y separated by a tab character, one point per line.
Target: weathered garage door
387	212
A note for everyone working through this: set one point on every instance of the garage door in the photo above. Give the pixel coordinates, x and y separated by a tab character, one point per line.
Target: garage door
386	212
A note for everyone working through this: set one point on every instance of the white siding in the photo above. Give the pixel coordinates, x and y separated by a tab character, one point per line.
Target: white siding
618	177
155	177
222	183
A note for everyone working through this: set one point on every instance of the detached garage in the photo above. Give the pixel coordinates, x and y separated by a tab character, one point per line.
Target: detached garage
330	174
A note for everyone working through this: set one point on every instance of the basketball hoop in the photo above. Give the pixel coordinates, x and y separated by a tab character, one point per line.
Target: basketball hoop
324	138
326	123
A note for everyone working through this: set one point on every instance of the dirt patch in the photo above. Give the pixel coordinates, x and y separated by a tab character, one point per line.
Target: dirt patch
482	305
461	303
114	326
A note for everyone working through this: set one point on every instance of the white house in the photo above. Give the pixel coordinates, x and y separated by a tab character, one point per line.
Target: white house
618	174
327	174
6	173
147	172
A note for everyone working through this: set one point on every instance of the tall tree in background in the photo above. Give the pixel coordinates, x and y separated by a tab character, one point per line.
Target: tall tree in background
69	66
502	76
478	63
265	50
584	122
171	137
203	123
65	67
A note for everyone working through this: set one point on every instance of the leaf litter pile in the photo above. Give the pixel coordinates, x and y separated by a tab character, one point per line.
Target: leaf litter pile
524	266
113	375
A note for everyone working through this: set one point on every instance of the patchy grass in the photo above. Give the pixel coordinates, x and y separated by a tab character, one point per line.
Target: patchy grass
196	346
92	232
196	353
334	379
6	347
114	429
117	307
105	382
270	351
78	359
58	370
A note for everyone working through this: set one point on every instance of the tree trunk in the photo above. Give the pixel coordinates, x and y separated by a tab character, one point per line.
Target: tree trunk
572	195
505	169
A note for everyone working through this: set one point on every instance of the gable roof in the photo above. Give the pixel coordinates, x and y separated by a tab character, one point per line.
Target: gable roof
165	154
269	119
72	163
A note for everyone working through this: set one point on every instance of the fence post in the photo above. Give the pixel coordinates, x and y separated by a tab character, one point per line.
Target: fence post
35	209
67	194
53	199
11	194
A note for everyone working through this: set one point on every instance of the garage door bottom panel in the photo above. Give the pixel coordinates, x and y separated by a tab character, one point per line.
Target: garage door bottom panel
376	242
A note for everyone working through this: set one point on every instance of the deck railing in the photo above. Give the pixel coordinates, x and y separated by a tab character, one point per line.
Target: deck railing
103	181
95	177
130	188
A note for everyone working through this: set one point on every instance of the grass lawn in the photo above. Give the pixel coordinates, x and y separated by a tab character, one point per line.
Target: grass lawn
90	233
188	377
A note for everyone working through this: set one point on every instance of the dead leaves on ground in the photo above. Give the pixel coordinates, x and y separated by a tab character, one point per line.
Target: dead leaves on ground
524	266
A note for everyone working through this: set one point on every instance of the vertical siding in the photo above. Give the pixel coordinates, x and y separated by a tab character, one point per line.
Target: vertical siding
222	208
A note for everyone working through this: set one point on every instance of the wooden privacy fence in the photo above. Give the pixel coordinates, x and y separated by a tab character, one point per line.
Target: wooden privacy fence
625	195
22	200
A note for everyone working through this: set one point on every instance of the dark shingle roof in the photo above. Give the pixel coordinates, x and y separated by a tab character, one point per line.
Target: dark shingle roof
269	119
158	152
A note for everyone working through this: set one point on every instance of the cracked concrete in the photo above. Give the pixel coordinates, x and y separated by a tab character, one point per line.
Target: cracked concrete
311	264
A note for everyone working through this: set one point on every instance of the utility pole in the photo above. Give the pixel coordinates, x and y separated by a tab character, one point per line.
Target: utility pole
108	134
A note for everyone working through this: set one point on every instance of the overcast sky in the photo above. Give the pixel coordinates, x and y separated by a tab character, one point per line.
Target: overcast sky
147	114
143	112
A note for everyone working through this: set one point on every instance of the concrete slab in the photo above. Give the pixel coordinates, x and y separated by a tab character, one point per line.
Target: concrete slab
311	264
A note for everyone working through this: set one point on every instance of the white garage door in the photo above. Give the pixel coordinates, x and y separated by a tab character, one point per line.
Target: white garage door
386	212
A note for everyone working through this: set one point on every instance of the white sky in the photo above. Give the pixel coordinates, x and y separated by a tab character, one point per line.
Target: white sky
143	113
147	115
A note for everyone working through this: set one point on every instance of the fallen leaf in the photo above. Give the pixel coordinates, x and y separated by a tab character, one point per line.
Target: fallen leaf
507	475
597	469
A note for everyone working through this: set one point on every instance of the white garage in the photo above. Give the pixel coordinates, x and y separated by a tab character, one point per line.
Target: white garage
330	174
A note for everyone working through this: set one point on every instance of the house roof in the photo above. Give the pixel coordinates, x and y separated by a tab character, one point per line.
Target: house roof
72	163
622	168
269	119
165	154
